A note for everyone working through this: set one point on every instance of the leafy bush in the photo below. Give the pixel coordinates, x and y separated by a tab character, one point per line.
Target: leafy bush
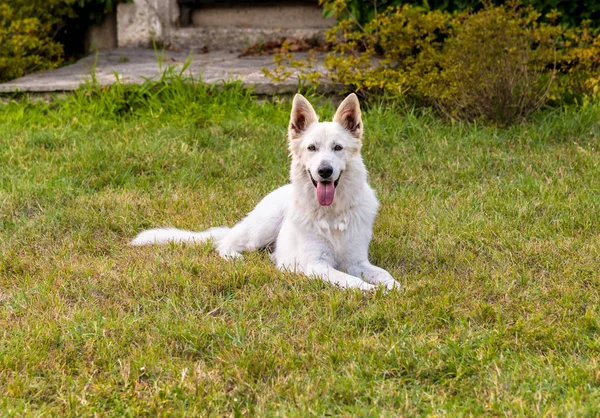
572	13
33	33
578	65
498	64
25	45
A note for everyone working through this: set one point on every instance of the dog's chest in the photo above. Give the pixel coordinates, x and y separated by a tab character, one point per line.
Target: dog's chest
342	234
338	230
329	225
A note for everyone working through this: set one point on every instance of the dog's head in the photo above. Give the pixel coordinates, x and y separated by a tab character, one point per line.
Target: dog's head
324	149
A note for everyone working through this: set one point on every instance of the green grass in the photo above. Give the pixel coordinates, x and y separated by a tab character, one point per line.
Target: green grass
495	235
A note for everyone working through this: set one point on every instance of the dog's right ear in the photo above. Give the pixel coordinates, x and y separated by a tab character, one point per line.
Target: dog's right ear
302	116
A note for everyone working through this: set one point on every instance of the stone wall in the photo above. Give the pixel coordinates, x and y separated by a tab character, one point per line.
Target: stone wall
144	22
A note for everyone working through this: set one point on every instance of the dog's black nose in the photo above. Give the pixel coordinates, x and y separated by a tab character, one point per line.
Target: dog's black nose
325	171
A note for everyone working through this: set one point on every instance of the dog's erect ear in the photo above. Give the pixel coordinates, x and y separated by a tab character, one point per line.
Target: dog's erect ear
348	115
302	116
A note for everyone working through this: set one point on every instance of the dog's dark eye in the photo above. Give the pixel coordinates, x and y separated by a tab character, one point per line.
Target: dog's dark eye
338	148
312	148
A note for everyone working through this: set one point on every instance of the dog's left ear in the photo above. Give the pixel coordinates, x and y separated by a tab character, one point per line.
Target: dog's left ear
348	115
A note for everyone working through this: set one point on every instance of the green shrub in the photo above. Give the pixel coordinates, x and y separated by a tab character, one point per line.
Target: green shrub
33	32
498	64
25	45
572	13
578	64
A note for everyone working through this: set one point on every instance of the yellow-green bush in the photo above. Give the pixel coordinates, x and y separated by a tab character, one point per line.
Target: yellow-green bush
578	65
572	13
25	45
498	64
33	33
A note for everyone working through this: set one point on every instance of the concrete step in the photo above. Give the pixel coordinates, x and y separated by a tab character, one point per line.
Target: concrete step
136	65
234	38
216	25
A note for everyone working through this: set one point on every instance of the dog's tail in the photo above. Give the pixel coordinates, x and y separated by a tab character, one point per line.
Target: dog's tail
166	235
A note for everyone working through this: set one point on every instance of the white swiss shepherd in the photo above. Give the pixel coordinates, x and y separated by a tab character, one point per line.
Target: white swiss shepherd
320	224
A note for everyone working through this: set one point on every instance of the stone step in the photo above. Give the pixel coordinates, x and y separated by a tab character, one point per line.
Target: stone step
234	38
216	25
134	66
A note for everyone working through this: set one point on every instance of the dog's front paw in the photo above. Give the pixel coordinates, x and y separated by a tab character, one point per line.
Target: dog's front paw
359	284
385	279
392	284
367	287
231	255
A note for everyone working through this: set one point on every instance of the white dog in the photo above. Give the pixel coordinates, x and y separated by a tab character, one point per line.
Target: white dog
320	224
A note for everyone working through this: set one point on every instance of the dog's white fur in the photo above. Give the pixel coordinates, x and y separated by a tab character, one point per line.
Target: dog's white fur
317	240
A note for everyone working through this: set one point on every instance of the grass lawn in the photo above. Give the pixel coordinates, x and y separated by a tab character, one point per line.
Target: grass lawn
495	235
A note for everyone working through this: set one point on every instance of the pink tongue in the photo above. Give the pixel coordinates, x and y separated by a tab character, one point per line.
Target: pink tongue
325	192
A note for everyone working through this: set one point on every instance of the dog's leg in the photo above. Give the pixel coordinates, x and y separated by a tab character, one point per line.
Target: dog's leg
331	275
236	241
373	274
259	229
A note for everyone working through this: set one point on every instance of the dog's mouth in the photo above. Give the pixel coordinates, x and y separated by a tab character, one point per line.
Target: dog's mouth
325	189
